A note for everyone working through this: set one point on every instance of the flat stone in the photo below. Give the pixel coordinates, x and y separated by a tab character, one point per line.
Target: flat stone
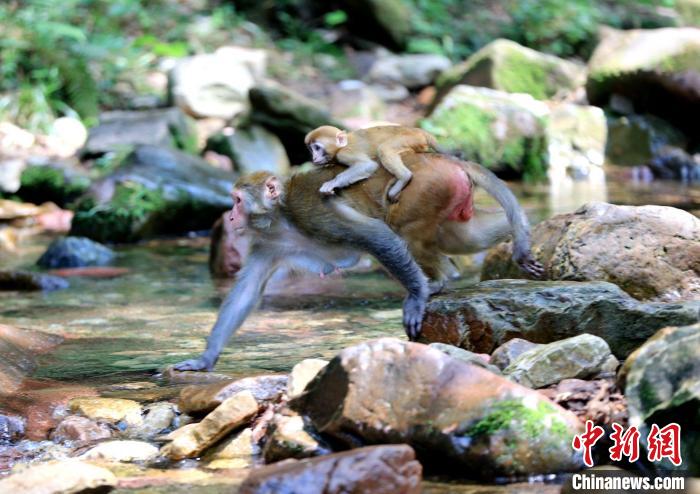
124	451
505	354
75	428
61	477
202	399
288	436
112	410
238	451
302	374
157	417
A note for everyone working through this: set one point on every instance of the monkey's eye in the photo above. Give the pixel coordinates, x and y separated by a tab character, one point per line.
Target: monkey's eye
316	147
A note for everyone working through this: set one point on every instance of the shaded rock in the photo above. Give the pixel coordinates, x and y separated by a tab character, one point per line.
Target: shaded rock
288	115
18	351
27	281
202	399
11	428
216	84
70	252
124	451
651	252
60	477
57	182
656	69
111	410
302	374
231	414
505	354
75	428
387	22
455	414
251	149
662	386
485	316
672	163
288	436
576	357
635	140
227	249
157	418
507	66
467	357
598	400
154	191
119	130
410	70
388	469
239	451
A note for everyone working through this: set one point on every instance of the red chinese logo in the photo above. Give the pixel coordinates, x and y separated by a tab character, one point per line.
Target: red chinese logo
665	443
587	440
626	443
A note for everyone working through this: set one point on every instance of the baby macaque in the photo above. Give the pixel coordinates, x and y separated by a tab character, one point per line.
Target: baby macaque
363	150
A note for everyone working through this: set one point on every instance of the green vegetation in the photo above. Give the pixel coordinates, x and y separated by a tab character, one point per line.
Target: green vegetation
513	415
46	183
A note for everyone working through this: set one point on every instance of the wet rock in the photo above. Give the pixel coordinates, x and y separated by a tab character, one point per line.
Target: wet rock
634	140
302	374
507	66
456	415
651	252
672	163
288	436
388	469
18	351
656	69
598	400
228	248
216	84
239	451
157	418
202	399
56	181
662	385
119	130
60	477
111	410
505	354
231	414
16	456
75	428
154	191
485	316
26	281
410	70
576	357
251	149
122	451
71	252
288	115
11	428
480	360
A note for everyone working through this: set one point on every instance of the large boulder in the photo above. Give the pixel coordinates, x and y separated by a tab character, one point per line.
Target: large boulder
388	469
658	70
118	130
662	386
154	191
251	149
651	252
635	140
455	414
288	115
484	316
507	66
72	252
385	21
216	84
410	70
58	182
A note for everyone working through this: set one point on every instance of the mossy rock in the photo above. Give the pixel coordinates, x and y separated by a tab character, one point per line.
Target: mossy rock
385	21
42	183
504	132
636	139
507	66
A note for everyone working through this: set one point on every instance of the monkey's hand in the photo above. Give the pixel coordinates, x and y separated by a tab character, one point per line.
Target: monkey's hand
413	312
203	363
328	188
530	265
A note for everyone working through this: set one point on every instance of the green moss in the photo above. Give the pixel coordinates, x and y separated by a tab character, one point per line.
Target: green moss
39	184
519	74
185	136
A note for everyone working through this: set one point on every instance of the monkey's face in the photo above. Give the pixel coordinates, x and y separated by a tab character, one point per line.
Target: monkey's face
239	213
323	144
320	155
255	199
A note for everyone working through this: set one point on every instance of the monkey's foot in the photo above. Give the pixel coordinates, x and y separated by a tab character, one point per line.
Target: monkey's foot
327	189
413	312
195	364
531	267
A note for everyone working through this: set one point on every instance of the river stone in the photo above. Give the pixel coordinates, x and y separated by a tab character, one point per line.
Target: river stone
59	477
576	138
232	413
390	469
484	316
576	357
651	252
634	140
288	436
75	428
251	148
154	191
71	252
26	281
656	69
457	414
509	351
238	451
119	130
387	22
662	385
111	410
11	428
288	115
410	70
302	374
157	418
122	451
204	398
466	356
18	351
507	66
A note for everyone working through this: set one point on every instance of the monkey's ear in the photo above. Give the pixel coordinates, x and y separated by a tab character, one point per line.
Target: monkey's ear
341	139
273	188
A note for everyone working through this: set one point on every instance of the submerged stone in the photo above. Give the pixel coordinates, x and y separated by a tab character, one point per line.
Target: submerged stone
25	281
71	252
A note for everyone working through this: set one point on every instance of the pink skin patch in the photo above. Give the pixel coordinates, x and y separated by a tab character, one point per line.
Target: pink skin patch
462	203
237	217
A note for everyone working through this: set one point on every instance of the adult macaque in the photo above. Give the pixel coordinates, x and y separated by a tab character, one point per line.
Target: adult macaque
291	224
362	151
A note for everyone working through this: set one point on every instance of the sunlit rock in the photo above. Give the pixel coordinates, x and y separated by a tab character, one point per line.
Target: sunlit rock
18	351
122	451
390	469
390	391
61	477
157	418
480	360
251	149
238	451
75	428
288	436
111	410
509	351
204	398
302	374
